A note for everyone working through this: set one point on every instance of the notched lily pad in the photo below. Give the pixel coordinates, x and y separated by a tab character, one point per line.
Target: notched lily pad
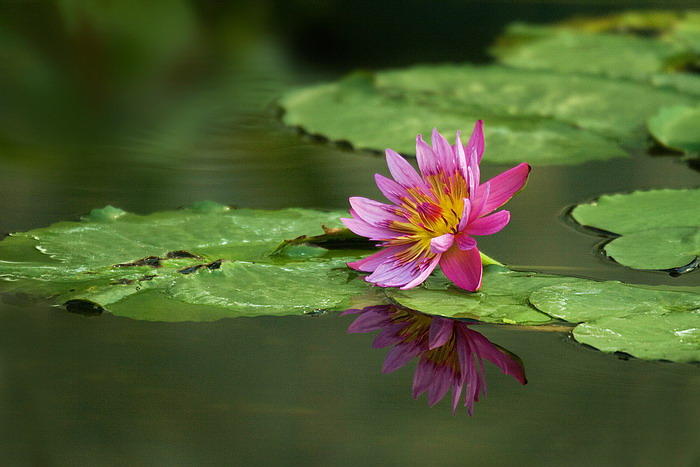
658	229
111	256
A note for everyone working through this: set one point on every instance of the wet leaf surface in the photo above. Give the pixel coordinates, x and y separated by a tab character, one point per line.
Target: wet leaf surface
658	229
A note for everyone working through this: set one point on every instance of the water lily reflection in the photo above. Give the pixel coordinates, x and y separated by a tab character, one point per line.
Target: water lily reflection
450	353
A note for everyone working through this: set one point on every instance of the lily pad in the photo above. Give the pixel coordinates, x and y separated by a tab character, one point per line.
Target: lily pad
677	128
673	336
646	322
658	229
647	46
574	51
540	117
183	255
581	301
503	297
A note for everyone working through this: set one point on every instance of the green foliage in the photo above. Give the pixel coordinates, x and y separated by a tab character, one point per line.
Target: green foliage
206	255
208	262
503	297
646	322
658	229
677	128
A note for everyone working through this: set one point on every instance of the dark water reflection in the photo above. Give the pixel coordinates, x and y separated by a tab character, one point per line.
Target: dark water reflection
450	353
178	106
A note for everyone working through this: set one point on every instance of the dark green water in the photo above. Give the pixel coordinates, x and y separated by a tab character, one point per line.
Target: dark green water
159	107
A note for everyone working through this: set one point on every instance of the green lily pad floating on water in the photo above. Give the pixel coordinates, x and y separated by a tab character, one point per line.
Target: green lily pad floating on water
209	262
646	322
677	128
206	255
645	46
539	117
503	297
658	229
574	51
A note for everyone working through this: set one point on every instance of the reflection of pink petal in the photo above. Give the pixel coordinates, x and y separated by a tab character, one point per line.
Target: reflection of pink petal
450	353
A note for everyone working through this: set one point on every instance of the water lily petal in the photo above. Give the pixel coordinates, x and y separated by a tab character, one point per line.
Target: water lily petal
370	263
464	241
441	243
489	225
475	145
365	229
479	202
505	185
402	171
466	214
396	274
427	269
460	156
444	154
427	160
391	190
374	212
463	267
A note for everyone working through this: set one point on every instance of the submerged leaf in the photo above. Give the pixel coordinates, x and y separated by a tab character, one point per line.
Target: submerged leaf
660	229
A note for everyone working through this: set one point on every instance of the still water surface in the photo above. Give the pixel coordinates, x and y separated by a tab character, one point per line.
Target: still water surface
295	390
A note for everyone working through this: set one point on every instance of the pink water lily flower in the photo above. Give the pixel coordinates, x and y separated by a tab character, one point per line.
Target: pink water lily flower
435	214
451	355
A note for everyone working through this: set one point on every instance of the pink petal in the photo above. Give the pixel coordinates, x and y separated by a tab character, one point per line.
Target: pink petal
440	332
488	225
427	270
479	201
504	186
427	160
395	274
460	156
463	267
374	212
402	171
475	145
464	241
370	263
441	243
473	179
364	229
443	151
466	214
390	189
